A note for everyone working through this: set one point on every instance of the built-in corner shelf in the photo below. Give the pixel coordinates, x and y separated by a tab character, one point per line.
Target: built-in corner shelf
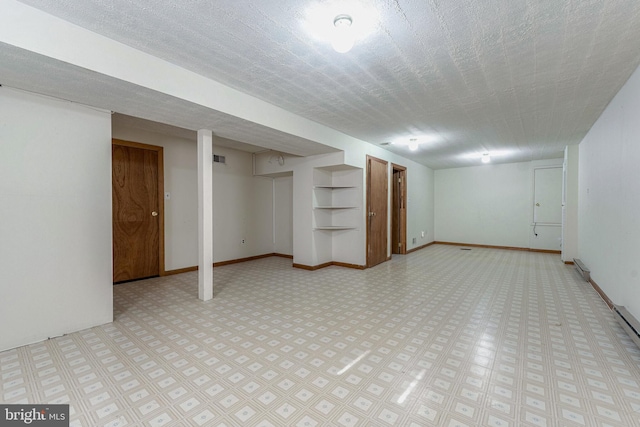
334	187
334	228
337	218
336	199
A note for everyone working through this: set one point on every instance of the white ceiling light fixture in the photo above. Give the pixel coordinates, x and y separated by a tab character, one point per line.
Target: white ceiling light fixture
343	37
341	23
485	157
488	156
413	143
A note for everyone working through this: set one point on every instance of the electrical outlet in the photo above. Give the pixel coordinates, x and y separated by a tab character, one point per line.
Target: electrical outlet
414	240
243	241
422	234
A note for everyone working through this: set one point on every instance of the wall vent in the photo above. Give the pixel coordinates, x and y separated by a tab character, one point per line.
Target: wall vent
219	159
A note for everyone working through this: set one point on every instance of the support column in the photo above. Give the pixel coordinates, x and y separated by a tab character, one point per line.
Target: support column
205	214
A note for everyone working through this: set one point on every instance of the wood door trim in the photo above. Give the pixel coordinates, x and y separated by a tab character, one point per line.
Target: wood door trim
329	264
160	151
420	247
403	222
368	206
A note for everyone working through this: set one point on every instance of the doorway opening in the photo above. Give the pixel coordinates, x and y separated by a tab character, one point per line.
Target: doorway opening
137	184
399	210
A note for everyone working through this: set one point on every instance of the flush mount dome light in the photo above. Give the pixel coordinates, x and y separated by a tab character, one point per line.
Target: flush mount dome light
412	143
326	20
488	156
343	37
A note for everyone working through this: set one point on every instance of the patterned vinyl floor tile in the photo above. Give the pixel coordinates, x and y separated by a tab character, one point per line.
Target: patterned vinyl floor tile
440	337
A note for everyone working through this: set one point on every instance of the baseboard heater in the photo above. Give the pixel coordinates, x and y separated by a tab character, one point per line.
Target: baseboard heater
628	322
582	269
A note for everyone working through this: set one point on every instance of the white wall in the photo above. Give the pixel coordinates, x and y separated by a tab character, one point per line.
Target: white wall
283	215
490	205
242	208
420	206
55	205
609	198
314	248
180	180
486	204
570	227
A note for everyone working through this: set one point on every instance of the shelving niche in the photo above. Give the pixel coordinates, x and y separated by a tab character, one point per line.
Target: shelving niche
338	221
337	198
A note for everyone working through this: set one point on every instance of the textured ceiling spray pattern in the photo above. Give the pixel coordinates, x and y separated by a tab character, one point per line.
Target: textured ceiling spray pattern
492	75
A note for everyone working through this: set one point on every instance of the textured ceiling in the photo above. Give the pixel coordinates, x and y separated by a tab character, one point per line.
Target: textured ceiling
154	111
123	121
522	78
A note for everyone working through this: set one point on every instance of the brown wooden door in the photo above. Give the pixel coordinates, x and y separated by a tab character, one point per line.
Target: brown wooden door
136	213
399	211
377	194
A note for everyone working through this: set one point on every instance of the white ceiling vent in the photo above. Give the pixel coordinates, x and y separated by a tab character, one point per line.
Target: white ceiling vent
219	159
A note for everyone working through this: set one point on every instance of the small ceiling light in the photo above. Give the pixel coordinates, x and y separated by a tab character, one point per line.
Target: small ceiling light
413	143
343	37
486	158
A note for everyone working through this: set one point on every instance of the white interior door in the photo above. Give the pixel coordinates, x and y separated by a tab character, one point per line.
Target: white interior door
547	207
